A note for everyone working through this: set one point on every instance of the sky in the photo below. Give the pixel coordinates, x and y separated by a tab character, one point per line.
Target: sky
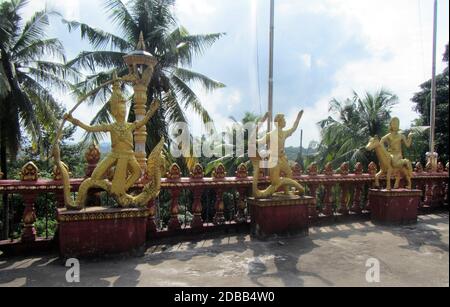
324	49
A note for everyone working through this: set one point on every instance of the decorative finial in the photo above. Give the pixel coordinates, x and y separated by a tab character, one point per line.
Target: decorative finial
141	43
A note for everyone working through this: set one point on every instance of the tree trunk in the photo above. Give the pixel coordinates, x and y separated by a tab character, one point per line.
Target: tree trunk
4	196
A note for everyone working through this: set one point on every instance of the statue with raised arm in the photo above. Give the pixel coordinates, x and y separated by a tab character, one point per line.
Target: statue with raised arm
122	158
391	158
280	172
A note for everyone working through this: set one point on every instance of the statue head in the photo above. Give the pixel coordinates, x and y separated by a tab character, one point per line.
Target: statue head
374	142
394	126
280	121
117	103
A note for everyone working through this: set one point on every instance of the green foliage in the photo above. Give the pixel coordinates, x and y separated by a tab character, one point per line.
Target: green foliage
422	102
31	69
71	153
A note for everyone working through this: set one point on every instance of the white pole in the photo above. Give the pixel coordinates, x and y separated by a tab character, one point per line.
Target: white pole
433	84
432	155
272	28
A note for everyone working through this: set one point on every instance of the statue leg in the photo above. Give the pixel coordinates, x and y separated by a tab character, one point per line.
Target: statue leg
377	178
135	168
295	184
101	169
120	177
388	179
98	175
398	177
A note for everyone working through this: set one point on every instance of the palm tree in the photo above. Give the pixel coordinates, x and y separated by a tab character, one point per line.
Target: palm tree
28	76
172	45
228	143
356	119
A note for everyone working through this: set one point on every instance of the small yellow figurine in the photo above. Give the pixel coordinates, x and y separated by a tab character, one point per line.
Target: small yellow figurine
122	157
278	161
391	159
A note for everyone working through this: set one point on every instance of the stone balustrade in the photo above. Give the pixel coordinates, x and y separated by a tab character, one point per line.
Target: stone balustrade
337	192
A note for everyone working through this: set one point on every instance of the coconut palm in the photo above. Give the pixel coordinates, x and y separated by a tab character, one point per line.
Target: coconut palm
355	120
28	77
172	45
227	142
32	66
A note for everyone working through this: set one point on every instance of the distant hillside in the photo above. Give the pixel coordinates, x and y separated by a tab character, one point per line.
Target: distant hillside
293	152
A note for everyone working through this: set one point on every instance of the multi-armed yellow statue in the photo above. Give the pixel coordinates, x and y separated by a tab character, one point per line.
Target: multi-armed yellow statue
280	173
127	170
391	159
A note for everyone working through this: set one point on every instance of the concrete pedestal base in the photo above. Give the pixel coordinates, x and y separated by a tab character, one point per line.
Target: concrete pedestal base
279	216
98	231
395	207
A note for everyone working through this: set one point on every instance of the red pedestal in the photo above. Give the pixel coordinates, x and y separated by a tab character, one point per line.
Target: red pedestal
280	216
394	207
100	231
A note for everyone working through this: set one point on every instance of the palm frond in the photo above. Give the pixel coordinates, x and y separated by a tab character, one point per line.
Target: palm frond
93	60
191	76
119	14
39	48
33	30
189	98
98	38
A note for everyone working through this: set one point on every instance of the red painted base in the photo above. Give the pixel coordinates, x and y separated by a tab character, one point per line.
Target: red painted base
100	231
394	207
279	217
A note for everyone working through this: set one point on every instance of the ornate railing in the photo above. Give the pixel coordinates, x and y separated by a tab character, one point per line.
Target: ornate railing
220	201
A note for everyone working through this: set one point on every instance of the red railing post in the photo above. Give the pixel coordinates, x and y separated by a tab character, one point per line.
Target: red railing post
240	215
328	200
29	218
356	208
197	221
313	213
151	225
174	223
219	218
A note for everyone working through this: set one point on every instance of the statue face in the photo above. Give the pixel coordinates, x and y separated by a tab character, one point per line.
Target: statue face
395	124
280	121
119	113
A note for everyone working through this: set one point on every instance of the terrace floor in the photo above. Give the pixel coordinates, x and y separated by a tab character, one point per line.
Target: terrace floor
331	256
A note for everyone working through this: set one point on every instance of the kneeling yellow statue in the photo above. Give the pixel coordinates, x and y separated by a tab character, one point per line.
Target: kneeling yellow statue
280	172
126	168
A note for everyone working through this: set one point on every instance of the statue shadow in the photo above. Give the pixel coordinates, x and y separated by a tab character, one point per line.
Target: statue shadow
425	234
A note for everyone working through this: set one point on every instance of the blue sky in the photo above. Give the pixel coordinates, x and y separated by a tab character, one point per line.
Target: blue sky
323	49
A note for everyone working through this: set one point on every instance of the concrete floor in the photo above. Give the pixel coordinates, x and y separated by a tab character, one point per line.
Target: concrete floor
331	256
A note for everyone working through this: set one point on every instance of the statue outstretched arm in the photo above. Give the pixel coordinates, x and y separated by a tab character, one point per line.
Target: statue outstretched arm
295	127
76	122
154	107
408	141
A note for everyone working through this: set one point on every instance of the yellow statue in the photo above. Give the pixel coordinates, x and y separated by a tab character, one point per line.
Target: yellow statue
391	159
126	168
278	161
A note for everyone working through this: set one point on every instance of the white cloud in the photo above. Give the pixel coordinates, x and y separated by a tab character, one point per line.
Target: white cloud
306	60
69	9
398	37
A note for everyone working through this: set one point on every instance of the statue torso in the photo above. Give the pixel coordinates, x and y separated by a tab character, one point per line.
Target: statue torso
122	137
